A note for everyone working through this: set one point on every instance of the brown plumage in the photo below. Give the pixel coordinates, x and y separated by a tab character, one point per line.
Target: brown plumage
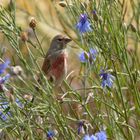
55	62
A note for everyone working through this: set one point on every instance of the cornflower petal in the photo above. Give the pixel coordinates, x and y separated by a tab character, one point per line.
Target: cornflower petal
86	137
4	78
92	137
80	126
4	113
50	134
107	79
91	55
19	103
82	57
3	105
98	136
83	24
4	66
101	135
3	116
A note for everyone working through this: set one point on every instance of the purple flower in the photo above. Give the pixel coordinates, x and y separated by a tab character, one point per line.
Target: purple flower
50	134
4	66
92	137
94	12
19	103
82	57
4	78
91	55
83	24
2	81
5	109
107	79
80	126
86	137
4	113
3	116
3	104
98	136
101	135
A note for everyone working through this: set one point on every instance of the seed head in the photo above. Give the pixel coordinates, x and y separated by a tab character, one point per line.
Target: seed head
62	4
133	28
32	23
16	70
24	36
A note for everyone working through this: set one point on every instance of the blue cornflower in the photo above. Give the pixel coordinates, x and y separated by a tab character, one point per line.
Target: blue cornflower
91	55
83	25
94	12
86	137
19	103
3	104
4	66
5	109
80	126
3	116
101	135
50	134
82	57
4	78
92	137
107	79
98	136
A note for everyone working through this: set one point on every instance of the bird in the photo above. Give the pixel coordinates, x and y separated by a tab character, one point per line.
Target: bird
55	63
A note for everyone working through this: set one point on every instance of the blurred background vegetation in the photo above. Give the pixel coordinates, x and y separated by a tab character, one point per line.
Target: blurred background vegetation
53	17
49	22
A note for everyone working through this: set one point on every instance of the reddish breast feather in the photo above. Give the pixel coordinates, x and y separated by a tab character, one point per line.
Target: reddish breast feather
58	66
58	61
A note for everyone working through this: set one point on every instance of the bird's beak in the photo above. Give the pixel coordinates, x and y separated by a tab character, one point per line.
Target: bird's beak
67	40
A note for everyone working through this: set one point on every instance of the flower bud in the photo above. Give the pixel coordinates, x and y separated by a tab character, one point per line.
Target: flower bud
62	3
32	23
24	36
10	95
133	28
28	97
17	70
3	51
95	17
3	88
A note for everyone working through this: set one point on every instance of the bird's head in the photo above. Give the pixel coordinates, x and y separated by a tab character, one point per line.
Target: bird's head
59	42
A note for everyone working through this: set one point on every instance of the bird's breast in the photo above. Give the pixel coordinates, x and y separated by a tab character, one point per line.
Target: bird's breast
59	67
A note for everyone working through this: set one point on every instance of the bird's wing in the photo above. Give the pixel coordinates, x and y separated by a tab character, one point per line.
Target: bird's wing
46	65
45	68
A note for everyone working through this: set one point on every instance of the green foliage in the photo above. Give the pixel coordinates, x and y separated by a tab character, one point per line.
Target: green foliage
115	110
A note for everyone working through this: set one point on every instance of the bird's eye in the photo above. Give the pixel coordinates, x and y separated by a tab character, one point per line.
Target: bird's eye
60	39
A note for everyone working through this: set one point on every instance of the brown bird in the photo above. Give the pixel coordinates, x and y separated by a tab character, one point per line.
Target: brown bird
55	63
